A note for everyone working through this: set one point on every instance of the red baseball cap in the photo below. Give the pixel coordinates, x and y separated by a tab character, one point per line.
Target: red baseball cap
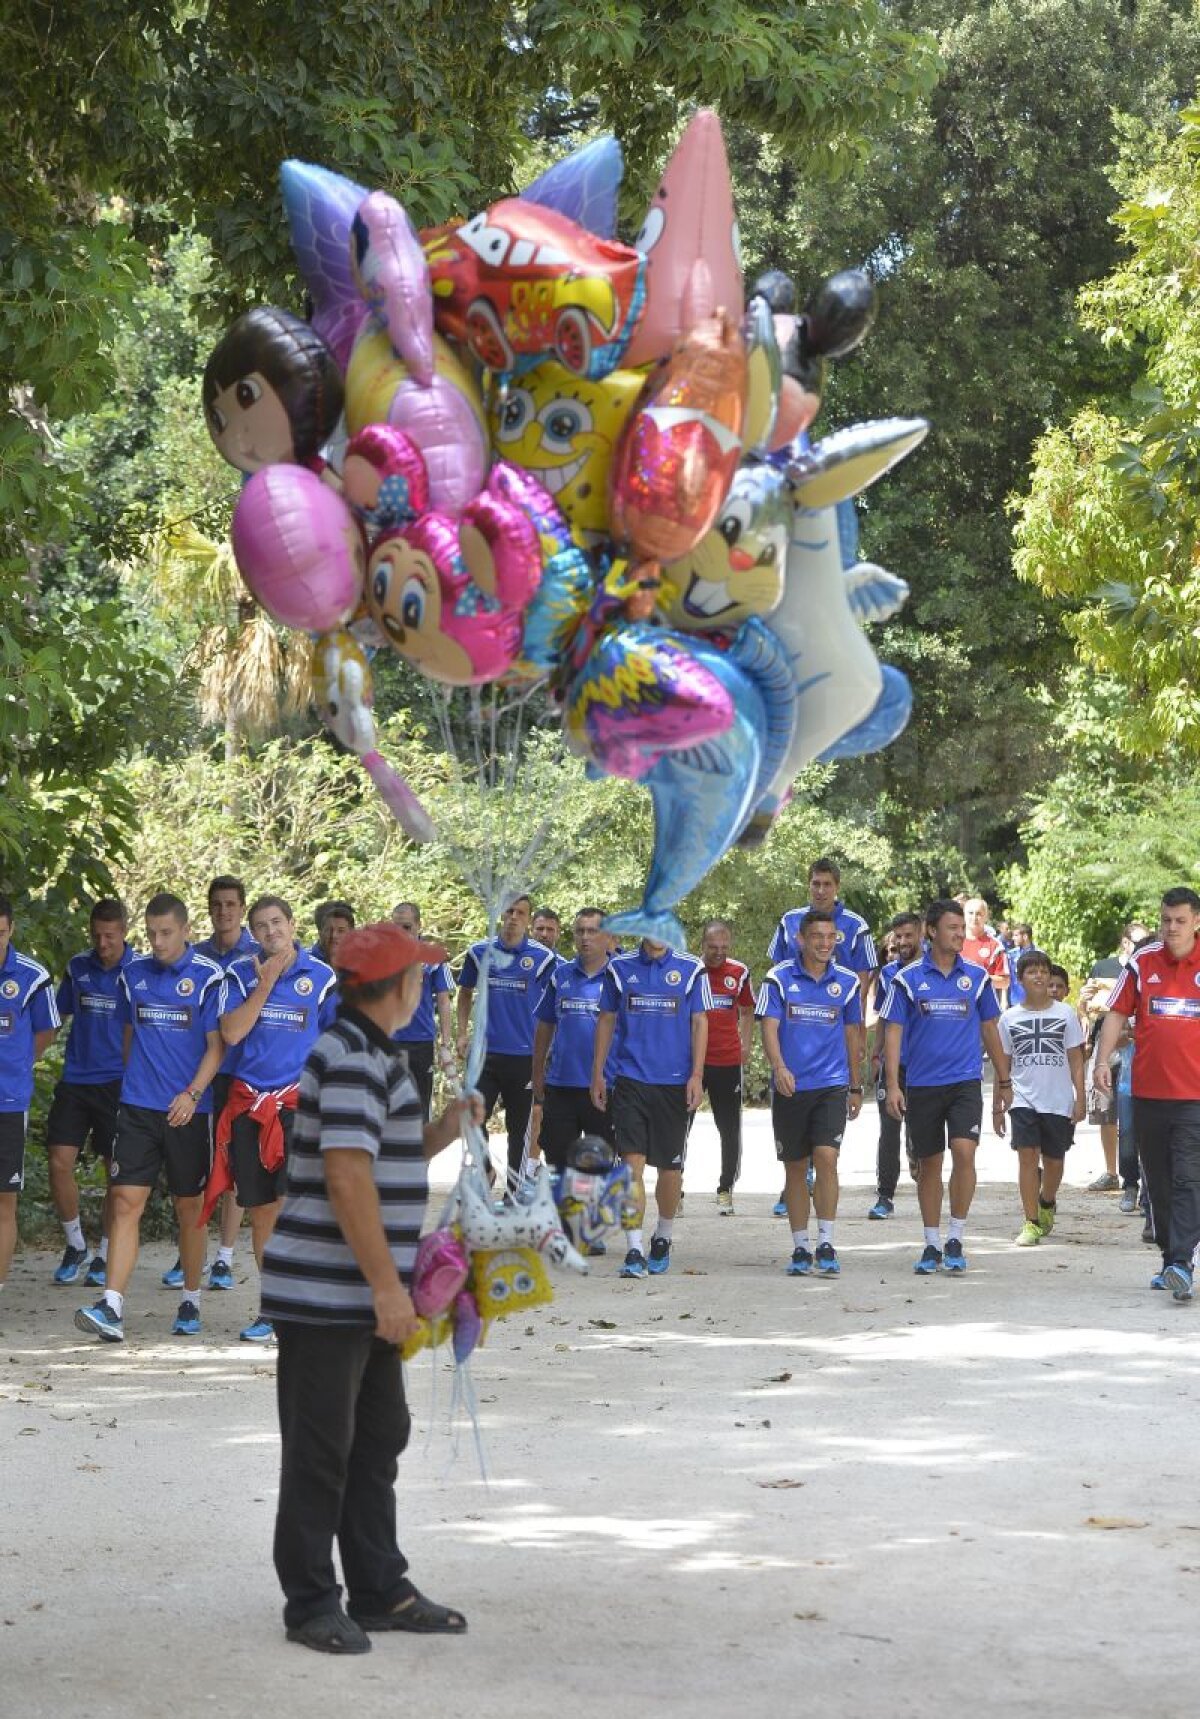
381	950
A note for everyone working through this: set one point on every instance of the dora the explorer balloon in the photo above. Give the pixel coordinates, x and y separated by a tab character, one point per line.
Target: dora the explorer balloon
737	568
272	391
450	594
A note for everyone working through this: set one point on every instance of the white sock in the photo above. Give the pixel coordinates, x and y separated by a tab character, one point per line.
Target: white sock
225	1255
825	1231
955	1228
637	1242
104	1247
663	1228
186	1294
115	1300
933	1237
73	1230
799	1238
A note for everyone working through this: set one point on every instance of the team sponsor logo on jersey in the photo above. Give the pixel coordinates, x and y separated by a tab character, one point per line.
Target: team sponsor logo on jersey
818	1014
164	1015
964	982
95	1003
304	987
278	1015
944	1006
185	987
1176	1008
499	982
8	1022
9	988
673	976
578	1005
649	1005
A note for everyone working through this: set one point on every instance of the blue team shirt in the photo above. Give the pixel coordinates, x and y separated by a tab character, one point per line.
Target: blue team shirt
855	945
883	985
1016	991
302	1003
942	1014
571	1005
515	982
27	1007
96	1042
422	1029
231	1062
171	1010
654	1001
813	1015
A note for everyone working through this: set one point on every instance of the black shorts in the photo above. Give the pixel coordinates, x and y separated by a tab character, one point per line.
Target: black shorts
807	1119
567	1113
1052	1136
12	1151
938	1114
650	1121
79	1113
419	1053
145	1145
255	1184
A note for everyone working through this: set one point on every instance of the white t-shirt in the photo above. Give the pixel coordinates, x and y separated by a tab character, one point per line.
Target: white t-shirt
1038	1040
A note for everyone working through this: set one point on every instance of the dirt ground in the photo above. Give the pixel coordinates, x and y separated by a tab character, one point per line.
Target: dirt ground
723	1491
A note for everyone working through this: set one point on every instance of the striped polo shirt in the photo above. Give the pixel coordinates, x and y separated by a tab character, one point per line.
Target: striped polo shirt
355	1092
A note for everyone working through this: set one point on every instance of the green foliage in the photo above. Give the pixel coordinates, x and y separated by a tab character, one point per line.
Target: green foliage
1109	524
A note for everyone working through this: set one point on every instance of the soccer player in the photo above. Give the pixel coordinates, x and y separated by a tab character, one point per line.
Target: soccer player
275	1009
84	1107
565	1040
28	1022
811	1014
518	968
168	1003
1160	990
547	928
660	1000
730	1021
230	941
333	920
855	945
950	1010
1044	1041
904	933
422	1037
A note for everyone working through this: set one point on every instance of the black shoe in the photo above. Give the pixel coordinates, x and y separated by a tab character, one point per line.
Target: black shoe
1148	1233
331	1632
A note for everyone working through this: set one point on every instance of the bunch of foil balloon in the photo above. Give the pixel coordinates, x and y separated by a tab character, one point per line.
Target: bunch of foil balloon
516	450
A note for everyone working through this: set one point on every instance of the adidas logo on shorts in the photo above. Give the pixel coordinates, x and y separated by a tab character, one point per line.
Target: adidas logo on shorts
975	1131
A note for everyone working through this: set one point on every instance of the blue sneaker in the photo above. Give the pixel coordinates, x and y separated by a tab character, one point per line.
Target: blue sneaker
187	1320
73	1261
97	1274
801	1262
594	1250
956	1259
779	1209
261	1331
827	1260
634	1264
1158	1281
1178	1279
660	1256
220	1275
929	1262
173	1279
101	1321
882	1208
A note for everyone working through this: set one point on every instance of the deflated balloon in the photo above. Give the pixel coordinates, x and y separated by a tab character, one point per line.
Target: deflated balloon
393	277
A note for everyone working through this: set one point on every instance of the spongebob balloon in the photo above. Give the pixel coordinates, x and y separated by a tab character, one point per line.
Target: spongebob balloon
564	430
508	1280
737	568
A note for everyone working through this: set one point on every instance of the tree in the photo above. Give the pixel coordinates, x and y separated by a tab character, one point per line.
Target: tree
1111	521
980	218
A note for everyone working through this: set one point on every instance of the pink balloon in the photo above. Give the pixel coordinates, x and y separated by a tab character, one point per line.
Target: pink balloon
299	548
689	238
384	477
393	276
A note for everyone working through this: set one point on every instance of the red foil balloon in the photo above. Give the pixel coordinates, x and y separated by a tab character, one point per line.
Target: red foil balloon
682	447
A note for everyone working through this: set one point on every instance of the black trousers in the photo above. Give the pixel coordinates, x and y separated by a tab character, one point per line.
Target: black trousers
343	1422
887	1155
507	1079
1168	1137
420	1066
724	1088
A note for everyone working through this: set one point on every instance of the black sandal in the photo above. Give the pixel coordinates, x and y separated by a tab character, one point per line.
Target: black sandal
331	1632
417	1615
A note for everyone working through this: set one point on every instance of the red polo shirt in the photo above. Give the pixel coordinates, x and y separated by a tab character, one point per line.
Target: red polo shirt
731	991
1163	996
988	953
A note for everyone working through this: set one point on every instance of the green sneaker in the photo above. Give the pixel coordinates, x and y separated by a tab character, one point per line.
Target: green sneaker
1045	1218
1031	1234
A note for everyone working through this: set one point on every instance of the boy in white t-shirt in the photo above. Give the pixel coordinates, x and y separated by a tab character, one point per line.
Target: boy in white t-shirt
1044	1039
